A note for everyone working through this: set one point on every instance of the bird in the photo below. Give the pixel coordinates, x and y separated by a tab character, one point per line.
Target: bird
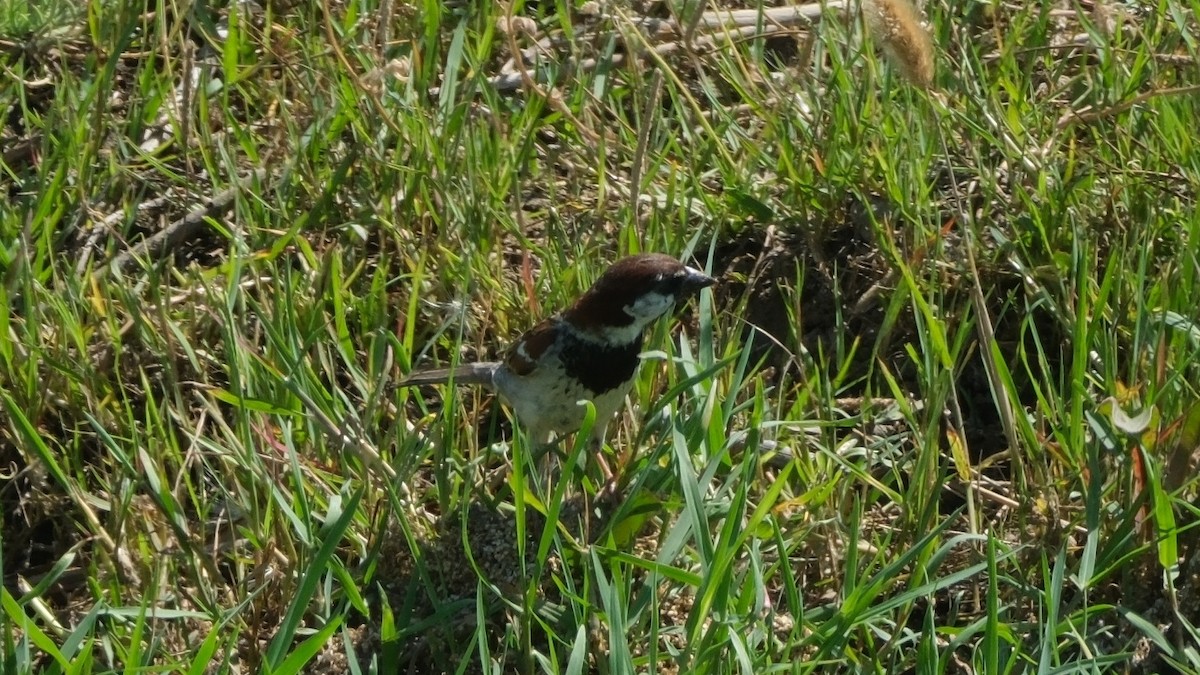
589	351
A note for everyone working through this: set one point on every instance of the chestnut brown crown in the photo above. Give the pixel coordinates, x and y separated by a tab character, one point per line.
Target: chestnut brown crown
632	293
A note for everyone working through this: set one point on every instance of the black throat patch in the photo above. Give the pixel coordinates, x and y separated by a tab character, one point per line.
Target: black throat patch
597	367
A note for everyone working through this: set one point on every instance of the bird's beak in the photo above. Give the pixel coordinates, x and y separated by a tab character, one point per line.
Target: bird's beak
695	281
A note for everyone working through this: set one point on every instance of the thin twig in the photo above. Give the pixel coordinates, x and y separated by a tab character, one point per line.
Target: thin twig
1088	115
106	224
643	143
742	22
552	98
184	228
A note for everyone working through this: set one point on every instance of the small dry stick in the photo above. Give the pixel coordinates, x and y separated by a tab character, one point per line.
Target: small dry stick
654	30
183	229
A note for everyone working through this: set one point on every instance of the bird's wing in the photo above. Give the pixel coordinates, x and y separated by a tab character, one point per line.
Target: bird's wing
524	354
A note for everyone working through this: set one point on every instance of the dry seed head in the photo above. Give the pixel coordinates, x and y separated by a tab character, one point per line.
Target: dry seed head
897	27
516	25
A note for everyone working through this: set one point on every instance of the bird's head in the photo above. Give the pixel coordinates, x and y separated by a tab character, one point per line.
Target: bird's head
632	293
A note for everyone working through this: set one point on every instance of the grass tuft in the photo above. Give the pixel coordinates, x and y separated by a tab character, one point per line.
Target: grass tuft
940	414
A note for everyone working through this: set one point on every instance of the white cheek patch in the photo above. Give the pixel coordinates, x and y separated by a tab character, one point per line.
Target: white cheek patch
650	306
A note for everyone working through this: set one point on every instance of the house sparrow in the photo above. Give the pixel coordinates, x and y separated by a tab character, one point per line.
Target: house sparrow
589	351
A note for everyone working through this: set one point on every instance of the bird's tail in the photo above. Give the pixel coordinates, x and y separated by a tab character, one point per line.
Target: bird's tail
466	373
